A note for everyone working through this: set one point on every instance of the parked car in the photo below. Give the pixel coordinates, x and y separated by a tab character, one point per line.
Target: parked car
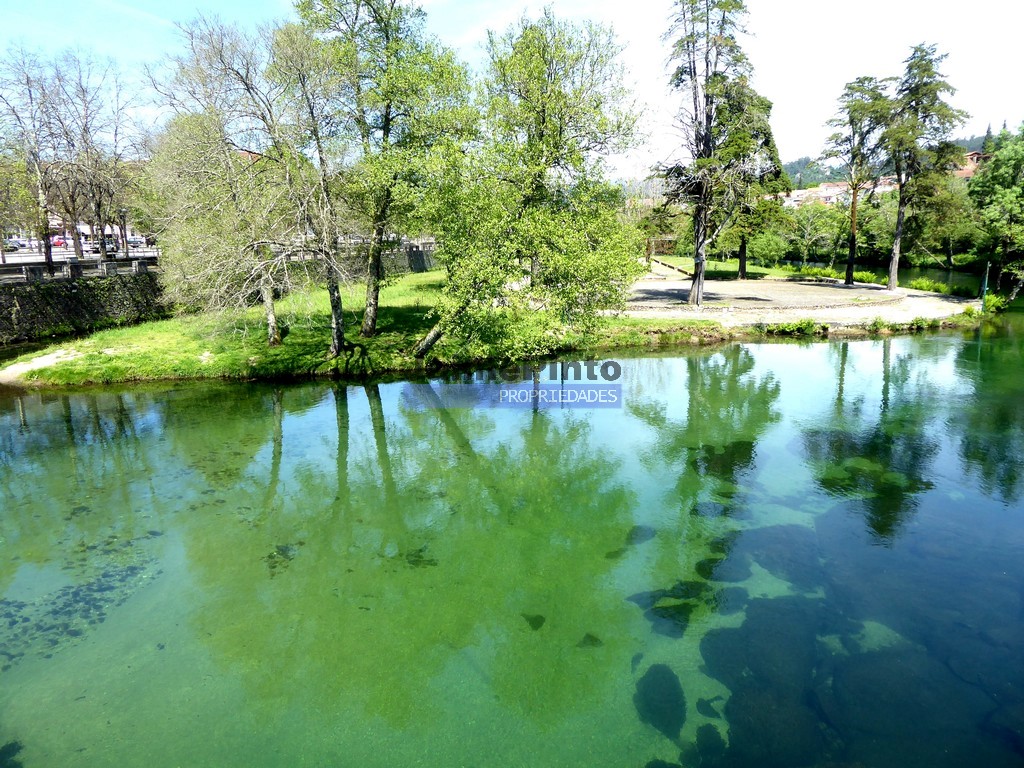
10	246
94	246
58	242
136	242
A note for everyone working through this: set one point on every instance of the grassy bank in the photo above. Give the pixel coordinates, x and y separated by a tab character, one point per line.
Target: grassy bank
233	346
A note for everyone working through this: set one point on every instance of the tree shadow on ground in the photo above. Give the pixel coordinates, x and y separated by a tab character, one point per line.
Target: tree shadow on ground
304	349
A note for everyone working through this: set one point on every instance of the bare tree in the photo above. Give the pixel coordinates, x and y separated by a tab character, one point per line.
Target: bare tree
25	91
250	111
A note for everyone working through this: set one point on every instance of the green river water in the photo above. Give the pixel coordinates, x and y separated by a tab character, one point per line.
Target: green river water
768	555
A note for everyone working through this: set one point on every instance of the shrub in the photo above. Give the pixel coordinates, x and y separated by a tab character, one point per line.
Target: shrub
995	303
819	272
927	284
863	276
800	328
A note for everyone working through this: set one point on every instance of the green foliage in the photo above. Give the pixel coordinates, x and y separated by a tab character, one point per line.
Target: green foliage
877	227
945	220
995	303
863	276
807	172
857	145
916	136
769	247
726	130
797	328
530	235
998	191
919	324
397	106
827	272
878	325
927	284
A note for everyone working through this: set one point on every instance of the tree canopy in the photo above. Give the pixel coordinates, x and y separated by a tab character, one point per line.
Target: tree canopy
530	235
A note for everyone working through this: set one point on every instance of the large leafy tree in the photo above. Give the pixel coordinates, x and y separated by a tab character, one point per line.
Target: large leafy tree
916	137
816	228
531	238
998	191
857	145
398	96
70	118
724	123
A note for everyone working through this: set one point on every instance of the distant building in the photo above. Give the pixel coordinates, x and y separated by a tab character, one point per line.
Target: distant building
832	192
972	162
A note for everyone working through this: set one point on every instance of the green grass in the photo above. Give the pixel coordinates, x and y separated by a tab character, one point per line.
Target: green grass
727	269
233	345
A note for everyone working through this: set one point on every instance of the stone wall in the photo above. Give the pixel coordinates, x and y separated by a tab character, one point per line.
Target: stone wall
42	310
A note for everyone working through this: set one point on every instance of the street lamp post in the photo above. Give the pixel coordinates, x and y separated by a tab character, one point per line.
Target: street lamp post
124	230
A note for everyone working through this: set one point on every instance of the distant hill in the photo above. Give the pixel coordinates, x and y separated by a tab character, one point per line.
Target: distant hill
972	144
807	172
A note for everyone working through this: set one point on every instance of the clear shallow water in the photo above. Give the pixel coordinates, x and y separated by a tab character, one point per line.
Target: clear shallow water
773	555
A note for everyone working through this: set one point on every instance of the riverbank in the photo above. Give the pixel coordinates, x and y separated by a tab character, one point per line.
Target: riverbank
656	317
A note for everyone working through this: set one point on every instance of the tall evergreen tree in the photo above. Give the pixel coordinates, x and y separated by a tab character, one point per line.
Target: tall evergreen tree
917	135
722	121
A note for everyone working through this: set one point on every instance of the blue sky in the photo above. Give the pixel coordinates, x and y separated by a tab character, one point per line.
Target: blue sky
803	51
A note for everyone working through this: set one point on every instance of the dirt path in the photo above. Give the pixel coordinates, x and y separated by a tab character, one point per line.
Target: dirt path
663	294
12	374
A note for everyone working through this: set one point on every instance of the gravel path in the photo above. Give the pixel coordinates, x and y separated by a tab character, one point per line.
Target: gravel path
663	294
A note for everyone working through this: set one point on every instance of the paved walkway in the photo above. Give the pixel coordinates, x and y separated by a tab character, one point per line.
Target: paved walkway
664	293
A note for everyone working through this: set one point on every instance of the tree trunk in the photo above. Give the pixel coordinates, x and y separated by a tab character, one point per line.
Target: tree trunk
427	342
374	273
894	260
47	248
44	222
337	317
852	255
373	276
700	235
743	257
273	332
341	497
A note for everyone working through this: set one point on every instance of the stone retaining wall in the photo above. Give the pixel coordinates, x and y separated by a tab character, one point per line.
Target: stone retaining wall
38	311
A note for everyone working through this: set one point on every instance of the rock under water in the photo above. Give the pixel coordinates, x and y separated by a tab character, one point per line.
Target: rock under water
660	701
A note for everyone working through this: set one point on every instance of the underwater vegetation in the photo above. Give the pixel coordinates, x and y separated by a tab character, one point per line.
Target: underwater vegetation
46	625
9	753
